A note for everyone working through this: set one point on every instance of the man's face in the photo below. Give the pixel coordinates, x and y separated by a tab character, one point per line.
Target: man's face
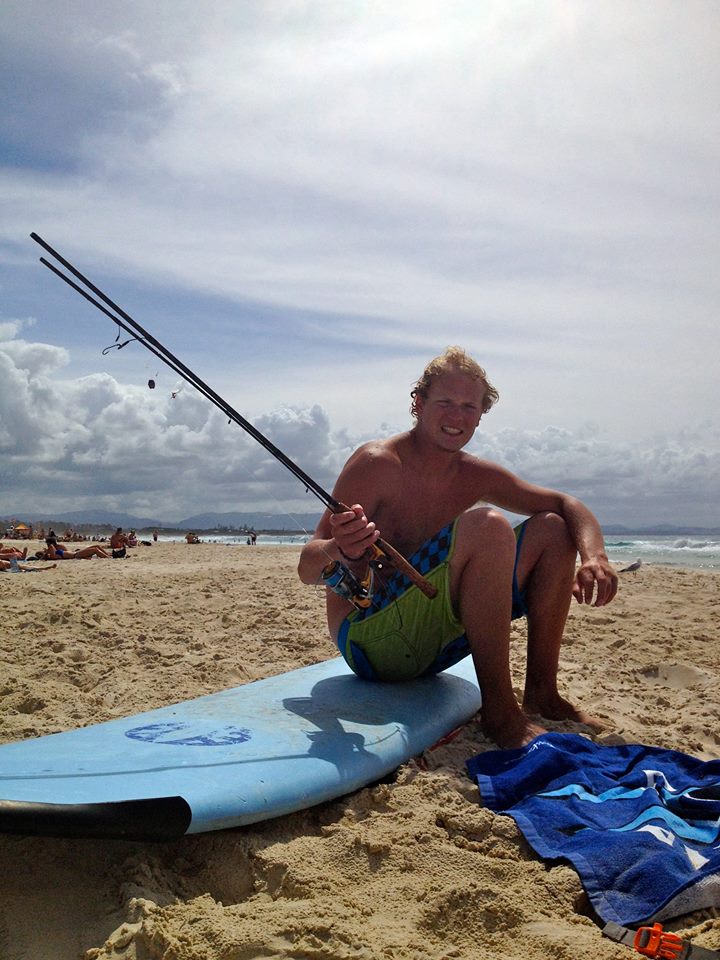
452	409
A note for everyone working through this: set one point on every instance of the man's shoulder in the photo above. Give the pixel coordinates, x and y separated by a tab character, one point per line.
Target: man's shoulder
372	470
384	451
471	463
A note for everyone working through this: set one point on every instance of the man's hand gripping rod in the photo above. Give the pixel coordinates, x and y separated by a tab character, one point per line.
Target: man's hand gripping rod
115	313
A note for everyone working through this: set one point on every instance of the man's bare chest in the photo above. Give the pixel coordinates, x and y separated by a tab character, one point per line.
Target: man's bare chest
418	508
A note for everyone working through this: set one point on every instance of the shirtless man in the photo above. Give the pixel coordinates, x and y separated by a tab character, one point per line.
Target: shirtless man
422	493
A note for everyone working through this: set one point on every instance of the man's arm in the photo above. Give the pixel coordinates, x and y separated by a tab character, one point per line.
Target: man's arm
595	577
346	536
339	536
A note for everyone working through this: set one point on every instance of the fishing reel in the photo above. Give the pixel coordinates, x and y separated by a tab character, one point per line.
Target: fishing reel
345	584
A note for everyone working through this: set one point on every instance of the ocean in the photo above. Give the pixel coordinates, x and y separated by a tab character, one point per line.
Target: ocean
669	550
240	539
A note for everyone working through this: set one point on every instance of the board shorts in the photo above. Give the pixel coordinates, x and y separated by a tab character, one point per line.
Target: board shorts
404	634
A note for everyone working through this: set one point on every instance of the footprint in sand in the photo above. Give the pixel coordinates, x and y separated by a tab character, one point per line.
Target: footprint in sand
675	675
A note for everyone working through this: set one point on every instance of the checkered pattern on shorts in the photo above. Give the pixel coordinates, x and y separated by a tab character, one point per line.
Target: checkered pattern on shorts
430	555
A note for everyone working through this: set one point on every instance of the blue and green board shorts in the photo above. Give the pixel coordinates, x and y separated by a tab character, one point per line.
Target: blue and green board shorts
404	634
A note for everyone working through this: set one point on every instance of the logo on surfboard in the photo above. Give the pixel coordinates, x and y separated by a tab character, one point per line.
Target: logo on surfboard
178	734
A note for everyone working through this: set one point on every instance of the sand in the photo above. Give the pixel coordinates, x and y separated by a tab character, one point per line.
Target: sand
412	868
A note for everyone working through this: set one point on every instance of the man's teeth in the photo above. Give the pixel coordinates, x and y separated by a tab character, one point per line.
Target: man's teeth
454	431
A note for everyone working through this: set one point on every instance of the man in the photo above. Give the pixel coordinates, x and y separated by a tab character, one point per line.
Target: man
425	496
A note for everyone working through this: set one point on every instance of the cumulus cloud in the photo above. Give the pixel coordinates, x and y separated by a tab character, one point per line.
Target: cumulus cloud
667	479
89	442
67	443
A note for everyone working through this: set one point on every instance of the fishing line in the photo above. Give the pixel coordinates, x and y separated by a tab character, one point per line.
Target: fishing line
113	346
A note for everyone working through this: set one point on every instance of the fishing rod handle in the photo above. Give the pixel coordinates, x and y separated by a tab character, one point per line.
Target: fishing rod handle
398	560
401	564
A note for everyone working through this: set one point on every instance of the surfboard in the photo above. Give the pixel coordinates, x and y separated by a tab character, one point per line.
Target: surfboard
236	757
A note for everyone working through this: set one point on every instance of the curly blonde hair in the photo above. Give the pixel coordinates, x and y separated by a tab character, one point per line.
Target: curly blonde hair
457	360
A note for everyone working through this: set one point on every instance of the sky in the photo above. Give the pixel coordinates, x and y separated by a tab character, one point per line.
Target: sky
306	200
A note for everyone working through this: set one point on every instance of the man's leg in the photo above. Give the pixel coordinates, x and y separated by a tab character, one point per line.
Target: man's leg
546	568
481	571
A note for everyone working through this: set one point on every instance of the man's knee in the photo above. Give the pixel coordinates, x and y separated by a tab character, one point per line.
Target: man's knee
552	527
546	534
485	529
483	559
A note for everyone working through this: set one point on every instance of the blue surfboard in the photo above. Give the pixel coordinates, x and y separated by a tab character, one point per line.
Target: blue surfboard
235	757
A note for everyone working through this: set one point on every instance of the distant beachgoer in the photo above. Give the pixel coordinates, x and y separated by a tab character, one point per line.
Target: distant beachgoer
84	553
192	538
8	553
155	535
14	567
118	544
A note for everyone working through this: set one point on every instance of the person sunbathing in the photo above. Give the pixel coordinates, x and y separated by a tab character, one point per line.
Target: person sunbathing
56	552
6	553
14	567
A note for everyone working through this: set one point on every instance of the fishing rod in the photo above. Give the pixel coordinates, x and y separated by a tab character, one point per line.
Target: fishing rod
142	336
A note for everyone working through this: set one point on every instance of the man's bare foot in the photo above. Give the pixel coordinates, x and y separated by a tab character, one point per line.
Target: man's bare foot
557	708
511	731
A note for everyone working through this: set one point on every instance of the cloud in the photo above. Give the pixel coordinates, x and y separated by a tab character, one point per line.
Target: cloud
90	442
66	443
311	200
73	78
668	479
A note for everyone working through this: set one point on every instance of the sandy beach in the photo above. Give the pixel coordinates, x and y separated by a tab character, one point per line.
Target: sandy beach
412	868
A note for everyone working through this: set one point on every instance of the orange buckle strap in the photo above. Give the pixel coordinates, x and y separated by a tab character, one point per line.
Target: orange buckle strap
656	942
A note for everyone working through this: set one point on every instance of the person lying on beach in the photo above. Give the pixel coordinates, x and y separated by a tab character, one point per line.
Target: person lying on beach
16	567
436	505
54	552
7	552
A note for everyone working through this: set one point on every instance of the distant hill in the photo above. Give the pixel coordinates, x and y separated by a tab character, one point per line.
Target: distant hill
110	518
201	521
259	521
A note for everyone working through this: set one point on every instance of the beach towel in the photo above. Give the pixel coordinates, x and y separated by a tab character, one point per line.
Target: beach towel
640	824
